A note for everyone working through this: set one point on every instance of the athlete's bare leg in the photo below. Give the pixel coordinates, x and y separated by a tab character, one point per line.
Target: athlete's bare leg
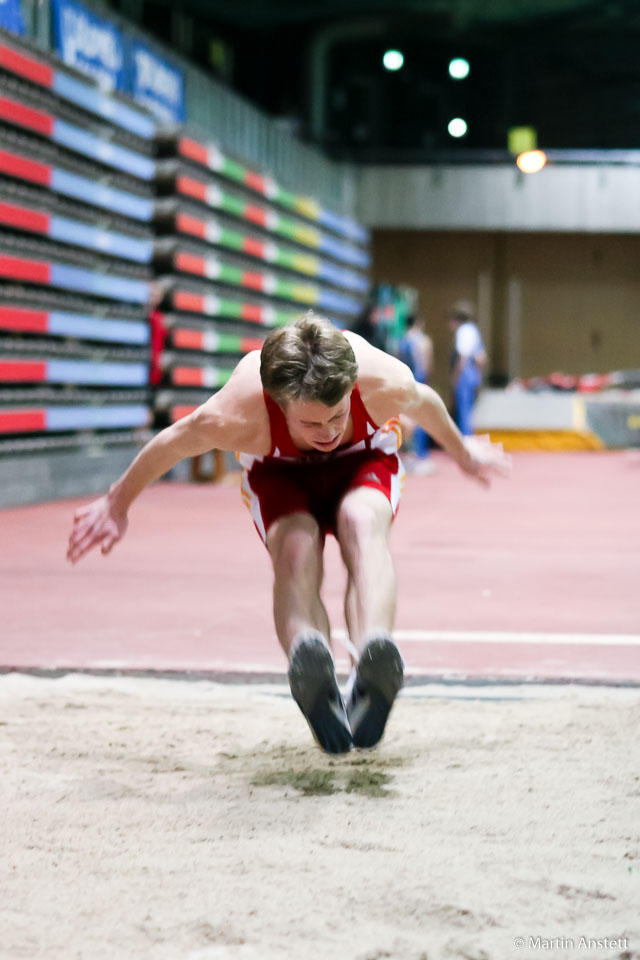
295	546
363	527
364	522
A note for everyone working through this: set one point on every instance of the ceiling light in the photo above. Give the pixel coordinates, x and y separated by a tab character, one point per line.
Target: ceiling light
459	68
457	127
392	60
532	161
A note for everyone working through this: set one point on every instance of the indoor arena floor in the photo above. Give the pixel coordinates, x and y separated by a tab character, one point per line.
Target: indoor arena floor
536	578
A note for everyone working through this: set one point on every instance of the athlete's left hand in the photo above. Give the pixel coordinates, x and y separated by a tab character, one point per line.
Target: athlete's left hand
483	459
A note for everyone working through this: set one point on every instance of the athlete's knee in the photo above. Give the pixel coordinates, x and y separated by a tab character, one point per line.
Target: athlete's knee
293	541
364	518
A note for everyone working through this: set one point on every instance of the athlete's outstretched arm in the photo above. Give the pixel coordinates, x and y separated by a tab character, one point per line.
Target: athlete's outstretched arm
475	455
393	390
227	421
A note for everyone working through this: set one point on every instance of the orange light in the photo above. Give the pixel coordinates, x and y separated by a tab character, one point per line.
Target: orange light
532	161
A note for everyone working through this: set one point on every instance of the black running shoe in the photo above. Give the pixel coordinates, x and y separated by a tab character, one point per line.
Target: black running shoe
379	678
312	678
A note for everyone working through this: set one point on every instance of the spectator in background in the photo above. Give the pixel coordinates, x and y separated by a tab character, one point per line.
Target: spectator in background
416	350
366	325
467	360
158	330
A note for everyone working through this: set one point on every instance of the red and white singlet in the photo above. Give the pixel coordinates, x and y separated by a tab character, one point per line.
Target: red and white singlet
288	480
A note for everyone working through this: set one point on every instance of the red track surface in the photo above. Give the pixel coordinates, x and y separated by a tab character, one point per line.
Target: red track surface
553	550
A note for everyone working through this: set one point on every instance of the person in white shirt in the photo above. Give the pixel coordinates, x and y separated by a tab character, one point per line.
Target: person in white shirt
468	359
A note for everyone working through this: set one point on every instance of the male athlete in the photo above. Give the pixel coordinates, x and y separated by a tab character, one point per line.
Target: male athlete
314	416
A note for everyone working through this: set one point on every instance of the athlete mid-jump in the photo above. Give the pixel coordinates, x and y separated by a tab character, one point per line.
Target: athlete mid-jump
314	417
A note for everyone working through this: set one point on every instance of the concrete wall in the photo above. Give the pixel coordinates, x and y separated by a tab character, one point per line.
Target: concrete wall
575	199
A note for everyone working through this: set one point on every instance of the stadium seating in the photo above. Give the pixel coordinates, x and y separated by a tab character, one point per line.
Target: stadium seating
236	255
76	248
138	265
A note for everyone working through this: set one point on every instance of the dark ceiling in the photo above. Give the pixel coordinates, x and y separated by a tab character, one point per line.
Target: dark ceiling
569	68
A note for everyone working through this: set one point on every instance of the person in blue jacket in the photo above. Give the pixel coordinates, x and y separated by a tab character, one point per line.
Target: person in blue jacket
467	360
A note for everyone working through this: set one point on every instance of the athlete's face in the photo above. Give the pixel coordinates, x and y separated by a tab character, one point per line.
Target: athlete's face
315	425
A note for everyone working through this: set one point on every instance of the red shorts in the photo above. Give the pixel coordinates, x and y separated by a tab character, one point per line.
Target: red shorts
273	488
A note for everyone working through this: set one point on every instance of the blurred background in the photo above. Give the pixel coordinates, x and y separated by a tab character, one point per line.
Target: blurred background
459	181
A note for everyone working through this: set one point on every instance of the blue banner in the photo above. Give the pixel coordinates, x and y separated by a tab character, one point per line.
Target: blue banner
11	16
89	43
156	84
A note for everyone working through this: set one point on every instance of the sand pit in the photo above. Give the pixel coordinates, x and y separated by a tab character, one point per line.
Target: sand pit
182	820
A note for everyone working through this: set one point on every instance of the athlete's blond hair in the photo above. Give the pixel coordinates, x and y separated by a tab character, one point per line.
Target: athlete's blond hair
308	360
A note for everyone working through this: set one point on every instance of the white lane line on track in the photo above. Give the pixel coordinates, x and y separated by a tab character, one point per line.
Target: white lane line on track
402	636
491	636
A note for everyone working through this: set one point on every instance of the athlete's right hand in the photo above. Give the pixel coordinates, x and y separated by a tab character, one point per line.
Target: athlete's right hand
99	522
484	458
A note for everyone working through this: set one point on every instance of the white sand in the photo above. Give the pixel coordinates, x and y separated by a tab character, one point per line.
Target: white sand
136	823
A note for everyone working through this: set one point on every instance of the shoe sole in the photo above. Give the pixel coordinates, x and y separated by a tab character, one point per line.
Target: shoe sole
312	678
379	679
